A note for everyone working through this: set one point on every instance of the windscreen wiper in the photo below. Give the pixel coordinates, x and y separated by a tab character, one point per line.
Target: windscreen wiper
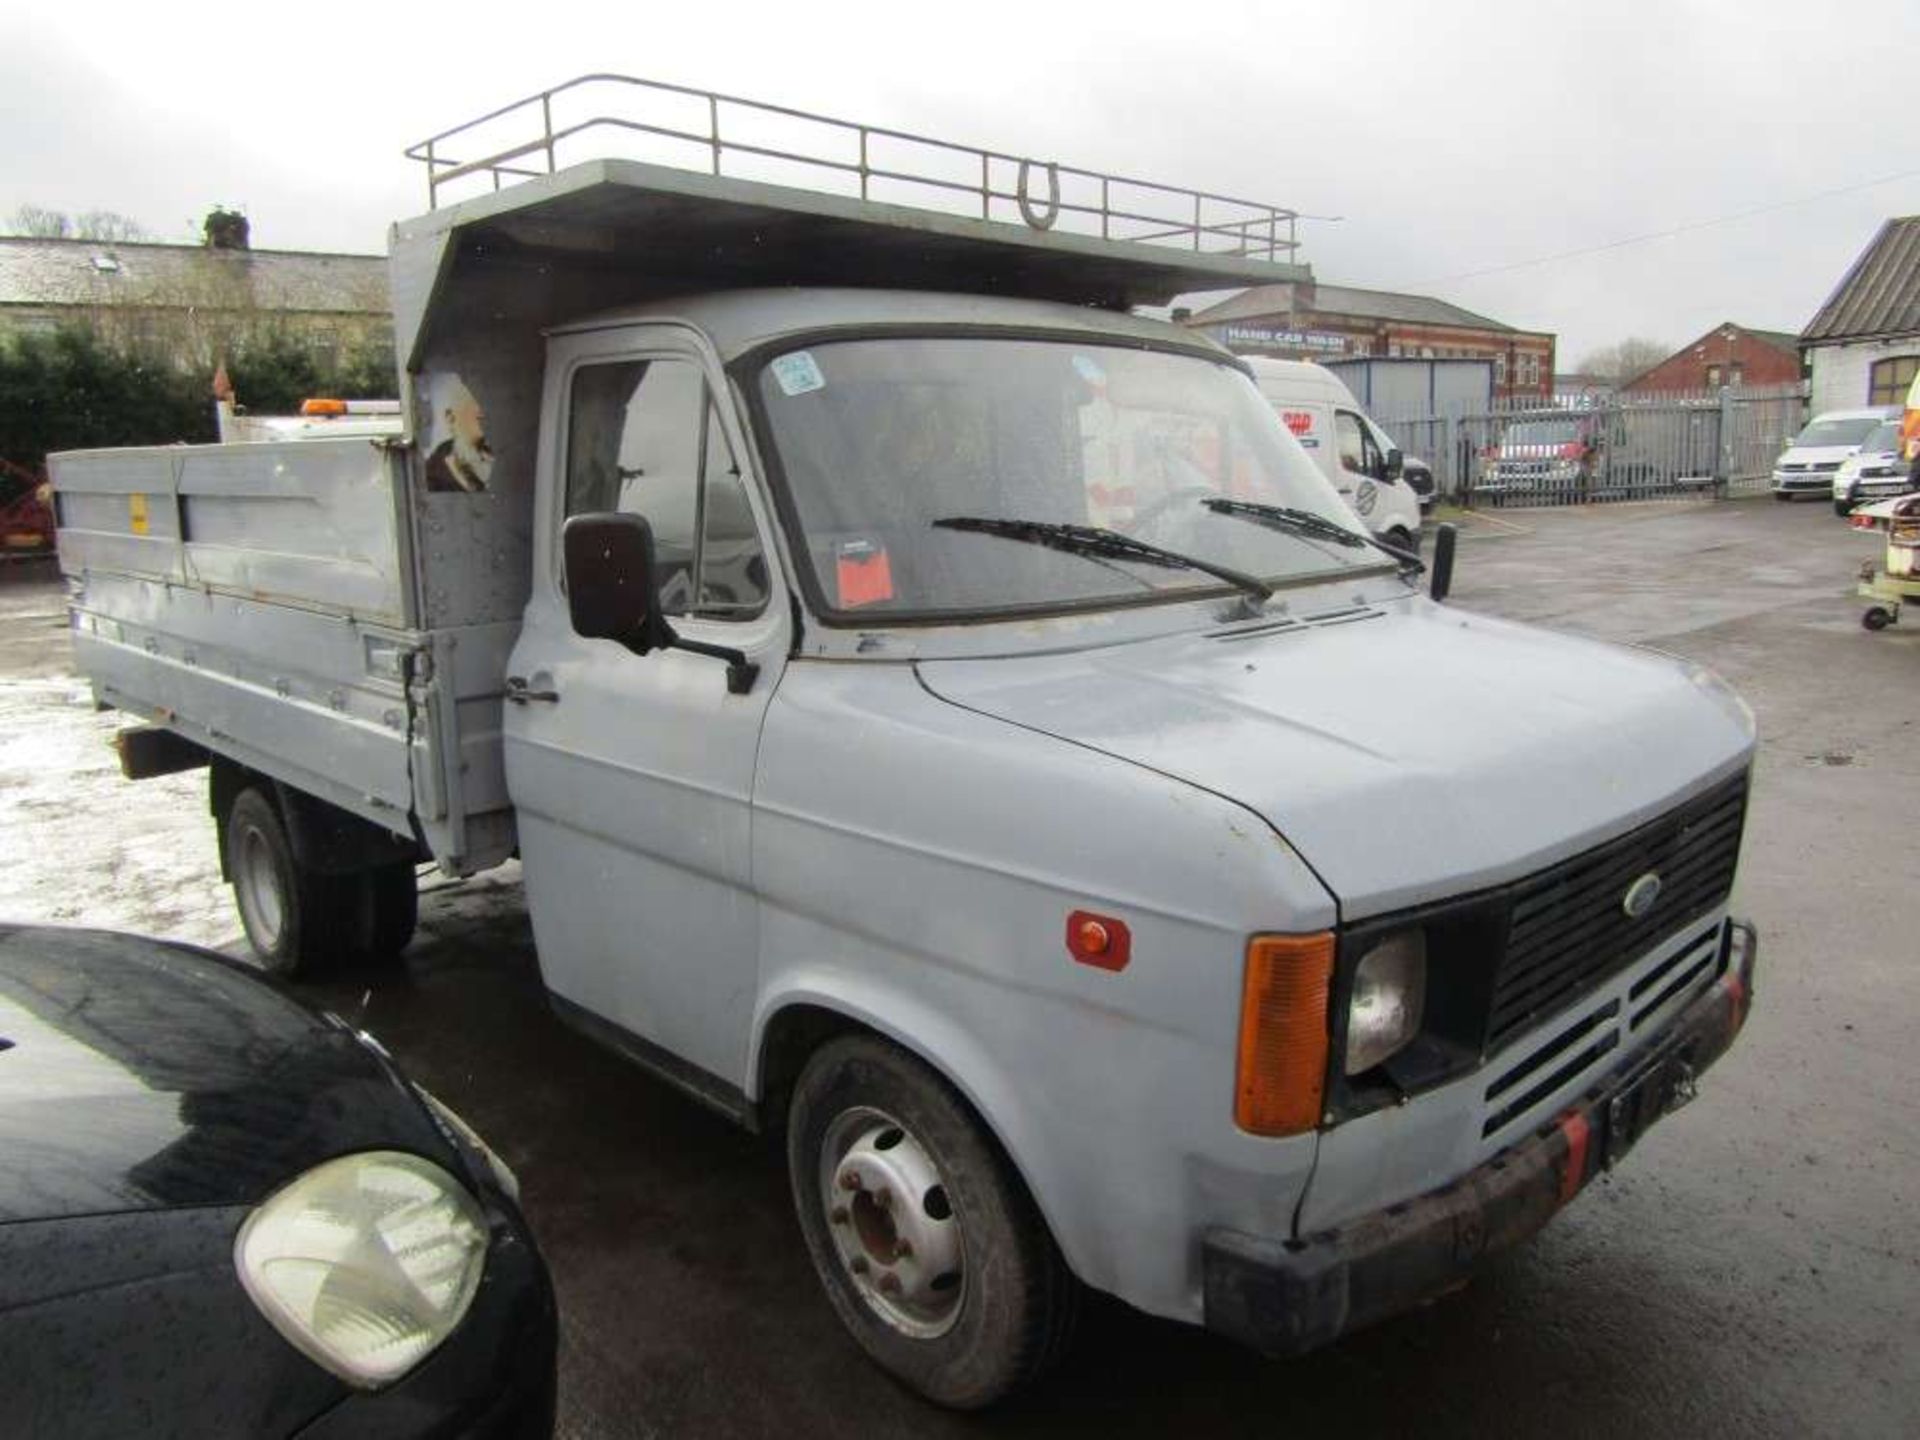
1104	544
1314	527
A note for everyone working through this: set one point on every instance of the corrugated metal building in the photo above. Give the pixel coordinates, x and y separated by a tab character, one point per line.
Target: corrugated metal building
1864	345
1307	320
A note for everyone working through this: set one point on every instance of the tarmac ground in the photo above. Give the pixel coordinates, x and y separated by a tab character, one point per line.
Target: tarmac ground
1753	1268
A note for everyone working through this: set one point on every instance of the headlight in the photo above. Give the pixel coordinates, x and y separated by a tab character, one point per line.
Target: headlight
1389	998
365	1263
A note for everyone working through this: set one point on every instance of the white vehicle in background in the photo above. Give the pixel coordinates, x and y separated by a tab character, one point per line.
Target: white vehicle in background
1808	465
1873	472
1349	449
319	419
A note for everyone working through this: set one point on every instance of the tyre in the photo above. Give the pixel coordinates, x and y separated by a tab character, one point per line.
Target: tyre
1782	496
1407	542
385	909
290	913
1842	508
932	1252
1877	618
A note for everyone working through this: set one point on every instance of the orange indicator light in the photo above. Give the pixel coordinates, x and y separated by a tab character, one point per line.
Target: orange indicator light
1099	940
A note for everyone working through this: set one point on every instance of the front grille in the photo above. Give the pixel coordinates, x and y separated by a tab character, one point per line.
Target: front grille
1568	929
1577	1046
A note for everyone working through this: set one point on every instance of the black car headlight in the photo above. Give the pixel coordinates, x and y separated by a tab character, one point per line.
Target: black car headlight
365	1263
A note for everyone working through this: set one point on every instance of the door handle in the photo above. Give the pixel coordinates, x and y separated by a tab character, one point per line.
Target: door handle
519	694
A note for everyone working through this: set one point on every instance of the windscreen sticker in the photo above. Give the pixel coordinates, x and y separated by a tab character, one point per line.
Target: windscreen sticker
798	373
862	574
1089	370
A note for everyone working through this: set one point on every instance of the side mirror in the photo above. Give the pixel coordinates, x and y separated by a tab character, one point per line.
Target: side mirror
611	590
1442	573
1396	463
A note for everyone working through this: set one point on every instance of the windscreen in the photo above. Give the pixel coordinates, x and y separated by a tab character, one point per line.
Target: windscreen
879	439
1543	432
1837	432
1884	440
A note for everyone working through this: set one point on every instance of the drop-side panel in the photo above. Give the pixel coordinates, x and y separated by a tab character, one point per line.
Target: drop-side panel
264	600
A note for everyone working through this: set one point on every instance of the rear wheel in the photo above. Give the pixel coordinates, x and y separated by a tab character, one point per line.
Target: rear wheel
1841	507
1877	618
385	908
288	911
930	1248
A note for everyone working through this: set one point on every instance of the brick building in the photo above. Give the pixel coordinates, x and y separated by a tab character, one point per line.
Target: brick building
1306	320
1728	354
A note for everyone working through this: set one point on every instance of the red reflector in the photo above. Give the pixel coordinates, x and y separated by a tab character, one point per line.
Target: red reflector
1574	1126
1099	940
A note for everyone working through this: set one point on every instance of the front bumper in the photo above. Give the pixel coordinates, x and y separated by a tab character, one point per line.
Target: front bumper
1286	1297
1810	482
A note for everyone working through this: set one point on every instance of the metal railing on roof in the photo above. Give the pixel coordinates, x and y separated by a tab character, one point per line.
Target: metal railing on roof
989	184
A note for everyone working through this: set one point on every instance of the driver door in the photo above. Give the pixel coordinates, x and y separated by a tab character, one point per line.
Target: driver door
632	775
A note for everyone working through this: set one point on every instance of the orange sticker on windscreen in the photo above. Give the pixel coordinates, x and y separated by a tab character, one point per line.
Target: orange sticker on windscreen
863	574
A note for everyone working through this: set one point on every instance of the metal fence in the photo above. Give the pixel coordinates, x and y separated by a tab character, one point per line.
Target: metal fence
1586	449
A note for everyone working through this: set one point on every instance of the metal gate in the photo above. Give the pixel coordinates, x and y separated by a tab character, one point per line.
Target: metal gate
1590	449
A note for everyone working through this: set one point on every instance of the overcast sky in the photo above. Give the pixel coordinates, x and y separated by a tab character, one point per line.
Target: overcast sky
1454	139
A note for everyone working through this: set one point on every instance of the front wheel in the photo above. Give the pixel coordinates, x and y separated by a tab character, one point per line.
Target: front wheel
931	1250
1877	618
1841	507
1401	538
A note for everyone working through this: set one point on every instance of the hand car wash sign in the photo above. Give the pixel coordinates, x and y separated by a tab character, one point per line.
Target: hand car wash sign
1236	337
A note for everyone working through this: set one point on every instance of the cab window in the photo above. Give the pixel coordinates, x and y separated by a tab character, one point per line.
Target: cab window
644	438
1358	453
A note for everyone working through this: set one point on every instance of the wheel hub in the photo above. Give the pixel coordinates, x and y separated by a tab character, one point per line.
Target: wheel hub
259	890
892	1223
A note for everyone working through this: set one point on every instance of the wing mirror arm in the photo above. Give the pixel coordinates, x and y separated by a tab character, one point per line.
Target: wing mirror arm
741	672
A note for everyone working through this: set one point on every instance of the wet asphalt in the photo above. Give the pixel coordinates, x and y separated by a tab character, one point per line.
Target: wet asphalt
1754	1266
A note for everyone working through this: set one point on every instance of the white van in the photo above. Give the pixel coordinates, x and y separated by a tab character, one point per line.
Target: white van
1352	451
1808	464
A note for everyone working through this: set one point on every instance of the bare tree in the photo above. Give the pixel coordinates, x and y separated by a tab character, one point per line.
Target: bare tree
105	225
1619	363
40	224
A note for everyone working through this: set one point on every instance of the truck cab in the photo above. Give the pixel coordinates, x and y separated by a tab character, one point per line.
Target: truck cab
939	717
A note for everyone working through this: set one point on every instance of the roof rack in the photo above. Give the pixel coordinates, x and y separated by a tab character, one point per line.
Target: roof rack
525	139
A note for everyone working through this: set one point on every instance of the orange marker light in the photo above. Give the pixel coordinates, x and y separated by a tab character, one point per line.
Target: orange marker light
1282	1074
323	407
1099	940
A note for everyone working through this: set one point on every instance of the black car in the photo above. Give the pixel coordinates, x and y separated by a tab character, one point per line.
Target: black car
224	1214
